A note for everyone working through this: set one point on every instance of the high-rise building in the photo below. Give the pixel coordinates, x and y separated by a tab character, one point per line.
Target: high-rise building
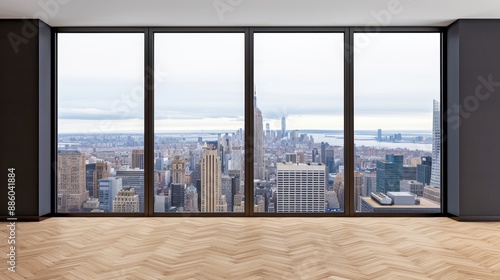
126	201
259	168
93	173
227	190
301	188
436	146
424	170
330	159
108	189
324	145
379	134
358	186
71	187
283	126
191	199
315	155
133	178
369	184
211	181
291	157
409	172
389	173
138	159
89	178
178	196
178	170
268	131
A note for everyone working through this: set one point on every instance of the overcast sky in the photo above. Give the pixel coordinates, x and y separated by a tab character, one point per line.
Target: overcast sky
199	81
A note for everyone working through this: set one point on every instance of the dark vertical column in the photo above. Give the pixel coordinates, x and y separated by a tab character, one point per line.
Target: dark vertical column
25	110
472	119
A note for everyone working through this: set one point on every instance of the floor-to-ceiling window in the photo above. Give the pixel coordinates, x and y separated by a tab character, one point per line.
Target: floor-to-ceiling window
190	147
199	91
397	90
298	122
100	145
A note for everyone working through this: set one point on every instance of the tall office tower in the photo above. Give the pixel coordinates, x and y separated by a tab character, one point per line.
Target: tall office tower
315	155
101	170
268	131
330	159
260	203
126	201
159	163
424	170
108	189
389	173
436	146
178	170
301	188
133	178
409	172
71	188
90	178
138	159
238	204
379	134
191	199
211	181
236	181
259	168
178	196
291	157
369	184
338	187
227	190
358	186
324	145
283	126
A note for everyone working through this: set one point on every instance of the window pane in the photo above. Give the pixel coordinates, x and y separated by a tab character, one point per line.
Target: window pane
100	160
397	122
199	120
299	122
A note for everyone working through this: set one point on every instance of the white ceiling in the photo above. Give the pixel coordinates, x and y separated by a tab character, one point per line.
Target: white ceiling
249	12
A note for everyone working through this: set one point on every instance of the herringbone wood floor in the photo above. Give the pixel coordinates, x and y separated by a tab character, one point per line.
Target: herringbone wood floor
254	248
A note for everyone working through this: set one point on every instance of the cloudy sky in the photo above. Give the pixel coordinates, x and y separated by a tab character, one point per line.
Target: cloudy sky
199	81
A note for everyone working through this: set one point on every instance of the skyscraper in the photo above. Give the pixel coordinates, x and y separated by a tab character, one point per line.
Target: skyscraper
389	173
424	170
211	181
178	196
259	168
330	159
72	191
178	170
126	201
301	188
191	199
108	189
138	159
93	173
283	126
436	146
134	178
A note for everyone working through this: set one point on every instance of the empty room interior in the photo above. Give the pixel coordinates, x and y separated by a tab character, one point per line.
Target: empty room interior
249	139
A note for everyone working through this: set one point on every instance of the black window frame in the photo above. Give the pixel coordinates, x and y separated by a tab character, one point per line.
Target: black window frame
249	32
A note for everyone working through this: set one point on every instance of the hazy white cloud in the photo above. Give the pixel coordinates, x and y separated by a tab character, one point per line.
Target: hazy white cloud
201	86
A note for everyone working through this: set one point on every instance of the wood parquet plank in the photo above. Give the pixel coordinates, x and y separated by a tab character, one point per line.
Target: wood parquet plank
254	248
